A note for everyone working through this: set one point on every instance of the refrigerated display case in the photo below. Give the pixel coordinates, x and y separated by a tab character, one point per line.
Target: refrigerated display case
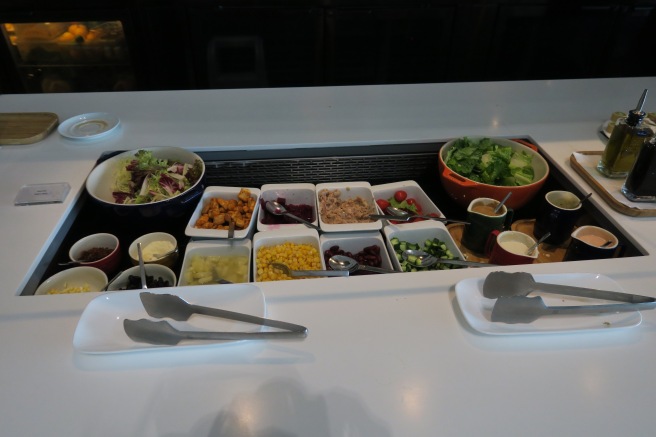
70	56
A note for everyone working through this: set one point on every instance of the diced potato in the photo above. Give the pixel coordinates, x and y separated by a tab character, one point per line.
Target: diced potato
210	269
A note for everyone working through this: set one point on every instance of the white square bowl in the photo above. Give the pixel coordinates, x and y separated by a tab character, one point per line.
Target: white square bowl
386	191
355	242
349	190
216	248
278	237
418	233
222	193
294	194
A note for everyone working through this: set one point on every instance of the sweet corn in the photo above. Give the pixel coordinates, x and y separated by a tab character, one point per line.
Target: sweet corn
69	289
295	256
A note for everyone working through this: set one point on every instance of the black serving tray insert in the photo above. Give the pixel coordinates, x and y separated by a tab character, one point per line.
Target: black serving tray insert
377	164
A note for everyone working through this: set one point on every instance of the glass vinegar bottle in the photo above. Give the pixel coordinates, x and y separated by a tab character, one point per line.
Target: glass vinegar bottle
624	143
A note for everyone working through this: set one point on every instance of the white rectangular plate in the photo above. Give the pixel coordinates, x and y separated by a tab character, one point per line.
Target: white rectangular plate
477	309
294	194
355	242
100	329
413	190
349	190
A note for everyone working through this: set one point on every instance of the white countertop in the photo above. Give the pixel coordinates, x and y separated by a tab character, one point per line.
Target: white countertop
385	356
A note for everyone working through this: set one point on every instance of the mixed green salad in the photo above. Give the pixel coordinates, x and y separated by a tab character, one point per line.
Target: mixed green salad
490	163
147	179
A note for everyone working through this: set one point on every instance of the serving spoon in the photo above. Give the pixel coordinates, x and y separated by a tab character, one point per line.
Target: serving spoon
583	199
500	204
296	273
231	227
349	265
540	241
423	259
276	208
504	284
70	263
403	215
111	281
142	268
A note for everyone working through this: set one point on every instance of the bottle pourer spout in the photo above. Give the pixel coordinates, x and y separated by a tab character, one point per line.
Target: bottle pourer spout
641	103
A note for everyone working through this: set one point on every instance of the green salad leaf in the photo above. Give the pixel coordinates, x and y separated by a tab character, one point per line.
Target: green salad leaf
146	179
402	205
490	163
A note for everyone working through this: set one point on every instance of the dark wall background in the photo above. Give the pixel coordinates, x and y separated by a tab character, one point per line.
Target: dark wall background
280	43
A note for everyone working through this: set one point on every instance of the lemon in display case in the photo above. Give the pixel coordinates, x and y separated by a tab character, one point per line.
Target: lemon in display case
70	55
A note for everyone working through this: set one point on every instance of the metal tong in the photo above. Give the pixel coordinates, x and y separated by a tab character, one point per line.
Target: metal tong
524	309
514	306
504	284
176	308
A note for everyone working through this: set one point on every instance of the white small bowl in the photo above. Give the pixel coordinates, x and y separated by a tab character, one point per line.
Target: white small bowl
294	194
349	190
168	260
92	277
414	191
419	233
154	270
355	242
217	248
275	238
222	193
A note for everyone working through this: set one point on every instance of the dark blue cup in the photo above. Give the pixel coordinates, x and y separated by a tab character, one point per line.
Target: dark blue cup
558	214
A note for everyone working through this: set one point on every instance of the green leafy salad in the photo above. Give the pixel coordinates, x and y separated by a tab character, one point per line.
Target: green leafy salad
147	179
490	163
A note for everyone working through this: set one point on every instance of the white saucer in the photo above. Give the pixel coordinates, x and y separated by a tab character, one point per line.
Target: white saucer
89	126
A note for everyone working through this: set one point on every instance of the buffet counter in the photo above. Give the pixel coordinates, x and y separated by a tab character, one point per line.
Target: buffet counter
387	355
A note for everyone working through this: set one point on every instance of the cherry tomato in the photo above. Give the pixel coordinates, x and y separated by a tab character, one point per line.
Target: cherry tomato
382	203
400	196
411	201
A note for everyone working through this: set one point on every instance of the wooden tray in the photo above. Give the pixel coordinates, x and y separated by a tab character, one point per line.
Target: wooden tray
609	189
546	252
18	128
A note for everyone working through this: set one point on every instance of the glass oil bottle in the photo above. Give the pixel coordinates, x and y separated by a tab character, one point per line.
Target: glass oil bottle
625	142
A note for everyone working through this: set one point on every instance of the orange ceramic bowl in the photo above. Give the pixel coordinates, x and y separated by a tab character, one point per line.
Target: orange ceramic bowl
464	190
